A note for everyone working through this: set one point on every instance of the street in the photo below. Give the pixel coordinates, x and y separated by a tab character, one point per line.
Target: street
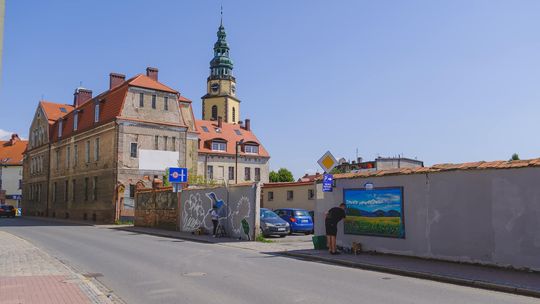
142	268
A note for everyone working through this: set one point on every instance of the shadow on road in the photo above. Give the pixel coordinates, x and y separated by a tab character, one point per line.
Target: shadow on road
31	221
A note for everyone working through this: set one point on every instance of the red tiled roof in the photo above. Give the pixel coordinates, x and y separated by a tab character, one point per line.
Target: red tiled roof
184	99
53	111
229	135
309	178
111	103
287	184
12	154
481	165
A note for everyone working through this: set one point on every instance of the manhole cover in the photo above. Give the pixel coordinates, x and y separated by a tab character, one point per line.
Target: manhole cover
194	274
386	278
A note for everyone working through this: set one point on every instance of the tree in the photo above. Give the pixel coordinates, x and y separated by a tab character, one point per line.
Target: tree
281	176
515	156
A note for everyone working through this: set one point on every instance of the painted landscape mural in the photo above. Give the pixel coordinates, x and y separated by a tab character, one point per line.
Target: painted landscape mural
376	212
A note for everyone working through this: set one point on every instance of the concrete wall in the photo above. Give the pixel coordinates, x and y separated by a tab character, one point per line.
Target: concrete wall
480	216
243	203
300	197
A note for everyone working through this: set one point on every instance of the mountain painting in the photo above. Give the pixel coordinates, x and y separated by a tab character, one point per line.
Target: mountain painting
376	212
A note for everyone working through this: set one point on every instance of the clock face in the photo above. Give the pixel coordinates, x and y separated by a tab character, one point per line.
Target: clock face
214	87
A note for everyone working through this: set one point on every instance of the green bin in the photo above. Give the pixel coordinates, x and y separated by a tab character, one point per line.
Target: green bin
319	242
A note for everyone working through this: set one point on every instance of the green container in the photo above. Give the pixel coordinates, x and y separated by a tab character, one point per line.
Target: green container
319	241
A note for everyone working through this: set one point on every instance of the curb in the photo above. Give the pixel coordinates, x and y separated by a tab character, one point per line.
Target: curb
421	275
163	235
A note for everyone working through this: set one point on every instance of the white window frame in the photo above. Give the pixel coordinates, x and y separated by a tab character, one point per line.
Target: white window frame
96	112
251	149
75	120
219	146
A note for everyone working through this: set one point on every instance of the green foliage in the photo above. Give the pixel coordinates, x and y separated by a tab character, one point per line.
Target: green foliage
199	180
260	238
337	170
515	156
283	175
123	222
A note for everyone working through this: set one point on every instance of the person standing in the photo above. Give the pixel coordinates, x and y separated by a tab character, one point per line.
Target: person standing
215	219
333	216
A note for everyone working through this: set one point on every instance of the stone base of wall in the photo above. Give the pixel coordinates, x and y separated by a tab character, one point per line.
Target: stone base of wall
162	218
97	216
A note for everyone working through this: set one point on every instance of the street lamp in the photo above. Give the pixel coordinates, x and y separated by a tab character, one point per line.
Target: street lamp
238	143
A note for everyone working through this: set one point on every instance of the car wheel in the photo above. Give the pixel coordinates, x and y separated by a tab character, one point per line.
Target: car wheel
307	232
282	235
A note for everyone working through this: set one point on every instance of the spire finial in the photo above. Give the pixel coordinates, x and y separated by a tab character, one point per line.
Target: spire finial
221	22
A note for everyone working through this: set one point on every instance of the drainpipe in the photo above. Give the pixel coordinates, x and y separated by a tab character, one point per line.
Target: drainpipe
48	180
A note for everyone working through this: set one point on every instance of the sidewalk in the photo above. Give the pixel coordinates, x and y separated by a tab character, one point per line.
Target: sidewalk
499	279
29	275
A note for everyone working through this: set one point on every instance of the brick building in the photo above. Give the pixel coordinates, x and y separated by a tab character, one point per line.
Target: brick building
85	160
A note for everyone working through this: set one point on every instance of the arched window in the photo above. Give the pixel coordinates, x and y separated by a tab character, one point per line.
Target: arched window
214	112
233	114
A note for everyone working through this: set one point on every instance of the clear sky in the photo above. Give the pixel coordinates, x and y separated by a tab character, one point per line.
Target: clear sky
444	81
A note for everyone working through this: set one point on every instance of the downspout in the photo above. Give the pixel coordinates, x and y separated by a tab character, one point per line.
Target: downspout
48	179
116	164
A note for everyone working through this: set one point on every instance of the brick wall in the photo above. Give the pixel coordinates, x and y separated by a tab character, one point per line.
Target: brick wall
156	208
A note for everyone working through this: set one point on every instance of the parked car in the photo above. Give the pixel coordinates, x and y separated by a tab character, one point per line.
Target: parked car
272	224
7	211
299	219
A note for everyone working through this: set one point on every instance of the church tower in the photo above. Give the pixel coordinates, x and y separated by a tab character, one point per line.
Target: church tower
220	99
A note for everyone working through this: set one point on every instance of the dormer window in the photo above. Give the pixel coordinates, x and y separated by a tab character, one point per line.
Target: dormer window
60	124
96	112
219	146
75	120
251	149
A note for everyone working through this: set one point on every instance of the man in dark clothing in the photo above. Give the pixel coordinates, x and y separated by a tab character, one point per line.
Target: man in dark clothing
333	216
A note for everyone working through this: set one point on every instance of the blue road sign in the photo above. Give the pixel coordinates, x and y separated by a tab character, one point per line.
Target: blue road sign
328	182
178	175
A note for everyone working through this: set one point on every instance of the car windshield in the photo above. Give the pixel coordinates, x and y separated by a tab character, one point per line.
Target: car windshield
268	214
301	213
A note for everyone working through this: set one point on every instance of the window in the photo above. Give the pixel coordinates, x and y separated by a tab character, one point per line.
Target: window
66	190
247	173
166	103
310	194
233	114
237	132
231	173
63	110
174	143
96	149
68	157
153	101
270	196
214	112
95	190
96	112
132	191
257	174
210	174
290	195
87	154
20	184
57	159
73	190
133	150
156	142
219	146
86	188
205	129
165	142
60	125
251	149
75	120
53	192
75	155
141	100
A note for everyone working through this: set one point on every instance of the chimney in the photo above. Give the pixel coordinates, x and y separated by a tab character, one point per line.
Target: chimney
152	73
81	96
248	125
14	138
220	122
116	79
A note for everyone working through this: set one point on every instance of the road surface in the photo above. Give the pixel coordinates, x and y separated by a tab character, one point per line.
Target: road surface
146	269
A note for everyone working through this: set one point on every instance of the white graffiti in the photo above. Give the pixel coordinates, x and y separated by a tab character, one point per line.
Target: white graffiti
239	211
194	213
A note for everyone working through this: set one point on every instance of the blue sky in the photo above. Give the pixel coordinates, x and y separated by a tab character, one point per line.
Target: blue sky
443	81
376	199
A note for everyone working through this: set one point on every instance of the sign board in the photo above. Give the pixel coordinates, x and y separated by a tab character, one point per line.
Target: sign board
327	162
368	186
18	212
178	175
328	182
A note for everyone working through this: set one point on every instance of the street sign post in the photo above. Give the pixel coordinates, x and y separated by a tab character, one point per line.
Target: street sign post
328	182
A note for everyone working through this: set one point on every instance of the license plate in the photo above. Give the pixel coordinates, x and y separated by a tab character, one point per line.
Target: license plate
281	229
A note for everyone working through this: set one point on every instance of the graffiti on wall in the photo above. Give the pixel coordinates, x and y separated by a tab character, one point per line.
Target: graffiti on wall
198	206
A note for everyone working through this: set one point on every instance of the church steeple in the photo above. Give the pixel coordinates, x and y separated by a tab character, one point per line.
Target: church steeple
221	65
220	99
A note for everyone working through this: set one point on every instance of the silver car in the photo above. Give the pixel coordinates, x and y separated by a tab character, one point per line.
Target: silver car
272	224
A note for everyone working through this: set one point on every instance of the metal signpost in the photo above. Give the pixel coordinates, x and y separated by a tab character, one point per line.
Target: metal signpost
178	177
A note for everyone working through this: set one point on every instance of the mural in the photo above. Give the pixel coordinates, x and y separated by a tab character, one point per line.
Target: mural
376	212
234	216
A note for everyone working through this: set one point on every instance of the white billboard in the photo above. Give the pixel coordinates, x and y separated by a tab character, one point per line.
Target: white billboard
157	160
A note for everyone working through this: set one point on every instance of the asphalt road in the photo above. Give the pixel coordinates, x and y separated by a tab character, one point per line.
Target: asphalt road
148	269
